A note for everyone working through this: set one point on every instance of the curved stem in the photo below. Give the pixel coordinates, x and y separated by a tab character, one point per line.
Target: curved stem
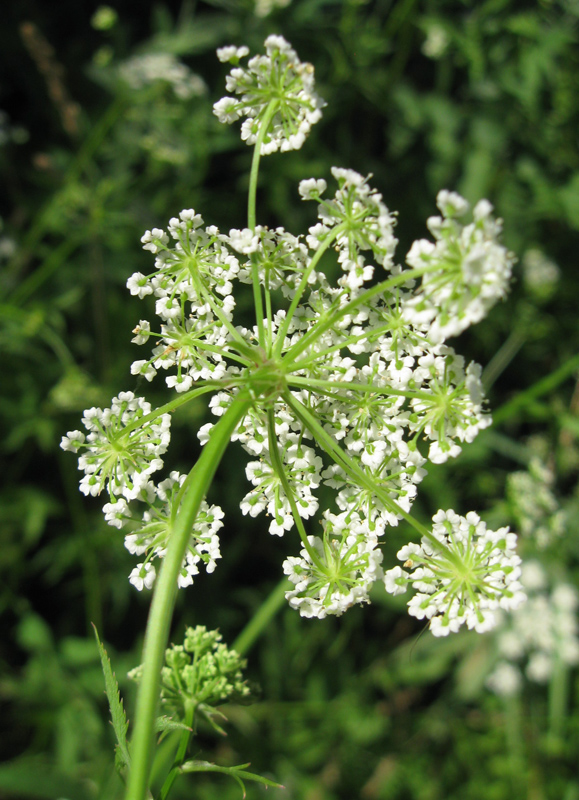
266	119
263	616
159	622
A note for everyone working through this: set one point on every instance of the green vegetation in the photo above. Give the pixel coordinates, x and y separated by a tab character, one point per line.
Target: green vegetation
478	97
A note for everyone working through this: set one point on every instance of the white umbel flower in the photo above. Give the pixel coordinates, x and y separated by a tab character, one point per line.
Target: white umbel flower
469	270
277	76
544	632
473	573
335	572
118	453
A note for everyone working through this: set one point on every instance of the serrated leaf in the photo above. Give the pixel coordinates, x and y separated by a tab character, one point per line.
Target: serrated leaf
237	773
118	716
208	713
164	724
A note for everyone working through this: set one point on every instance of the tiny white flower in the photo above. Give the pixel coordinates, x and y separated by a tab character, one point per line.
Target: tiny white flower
231	53
311	189
143	576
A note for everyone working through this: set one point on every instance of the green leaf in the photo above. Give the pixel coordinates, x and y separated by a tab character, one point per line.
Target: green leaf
237	773
118	716
166	724
208	713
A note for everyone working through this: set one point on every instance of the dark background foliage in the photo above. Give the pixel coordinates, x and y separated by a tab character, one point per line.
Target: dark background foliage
480	97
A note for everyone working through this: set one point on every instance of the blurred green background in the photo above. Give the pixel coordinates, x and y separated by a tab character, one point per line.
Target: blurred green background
479	97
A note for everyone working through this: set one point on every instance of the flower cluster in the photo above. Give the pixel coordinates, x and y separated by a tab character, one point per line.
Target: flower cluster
540	274
463	573
277	84
544	632
349	386
122	447
534	507
468	269
144	70
337	570
154	527
365	223
265	7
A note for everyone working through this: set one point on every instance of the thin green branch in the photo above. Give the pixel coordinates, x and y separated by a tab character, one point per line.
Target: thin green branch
159	622
282	333
261	619
181	752
332	387
351	468
280	471
172	405
251	200
328	322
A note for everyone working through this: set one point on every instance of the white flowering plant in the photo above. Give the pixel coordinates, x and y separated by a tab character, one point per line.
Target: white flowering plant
349	385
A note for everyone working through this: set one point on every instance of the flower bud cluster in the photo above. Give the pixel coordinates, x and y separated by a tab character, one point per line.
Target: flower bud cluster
199	675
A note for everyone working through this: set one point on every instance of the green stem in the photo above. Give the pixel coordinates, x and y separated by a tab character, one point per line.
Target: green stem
251	212
502	358
279	469
180	400
251	201
515	741
159	622
328	322
557	700
261	619
295	366
236	336
181	752
369	388
538	389
42	273
269	317
257	301
302	286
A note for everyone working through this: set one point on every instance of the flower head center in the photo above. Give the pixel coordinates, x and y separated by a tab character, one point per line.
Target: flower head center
266	379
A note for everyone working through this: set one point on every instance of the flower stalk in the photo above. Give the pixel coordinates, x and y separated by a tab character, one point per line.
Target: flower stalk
162	604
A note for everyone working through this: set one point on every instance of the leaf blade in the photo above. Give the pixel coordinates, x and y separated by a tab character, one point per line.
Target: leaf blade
118	716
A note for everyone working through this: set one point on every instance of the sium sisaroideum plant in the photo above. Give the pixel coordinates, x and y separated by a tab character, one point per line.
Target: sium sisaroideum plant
349	385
